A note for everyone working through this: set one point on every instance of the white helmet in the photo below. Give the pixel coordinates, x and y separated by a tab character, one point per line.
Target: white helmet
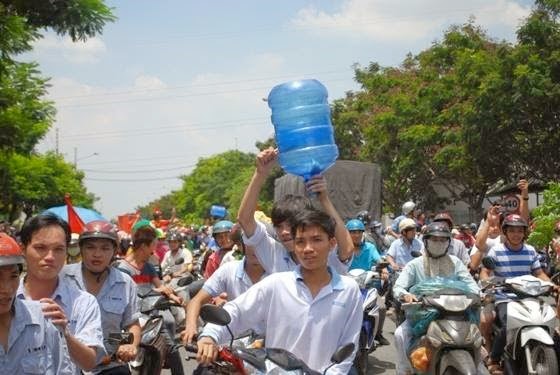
407	207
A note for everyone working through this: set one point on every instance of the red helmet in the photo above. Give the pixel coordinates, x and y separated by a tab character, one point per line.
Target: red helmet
99	229
10	251
514	220
444	216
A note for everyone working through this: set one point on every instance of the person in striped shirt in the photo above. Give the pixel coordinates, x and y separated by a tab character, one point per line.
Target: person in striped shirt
512	258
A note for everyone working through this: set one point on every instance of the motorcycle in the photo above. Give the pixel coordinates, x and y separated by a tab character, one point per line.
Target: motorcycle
370	323
451	344
530	324
157	346
247	361
112	344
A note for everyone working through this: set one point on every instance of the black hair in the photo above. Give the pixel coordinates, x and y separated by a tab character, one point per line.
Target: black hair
143	236
313	217
288	207
36	223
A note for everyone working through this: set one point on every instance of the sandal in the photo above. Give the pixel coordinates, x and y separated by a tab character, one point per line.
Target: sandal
493	367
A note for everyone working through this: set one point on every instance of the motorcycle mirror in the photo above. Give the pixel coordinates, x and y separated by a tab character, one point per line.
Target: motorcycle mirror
215	315
184	281
416	254
179	261
489	263
342	353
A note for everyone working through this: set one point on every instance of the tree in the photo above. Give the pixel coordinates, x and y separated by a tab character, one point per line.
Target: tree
545	216
25	116
215	180
40	181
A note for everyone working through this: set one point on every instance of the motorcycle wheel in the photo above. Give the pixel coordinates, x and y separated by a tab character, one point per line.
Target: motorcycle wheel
451	371
361	361
543	359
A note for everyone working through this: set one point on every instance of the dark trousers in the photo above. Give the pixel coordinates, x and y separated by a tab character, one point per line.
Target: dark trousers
499	343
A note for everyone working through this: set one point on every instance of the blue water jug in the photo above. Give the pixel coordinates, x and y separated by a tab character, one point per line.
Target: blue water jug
302	122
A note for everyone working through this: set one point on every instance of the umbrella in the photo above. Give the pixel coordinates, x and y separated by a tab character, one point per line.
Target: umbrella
85	214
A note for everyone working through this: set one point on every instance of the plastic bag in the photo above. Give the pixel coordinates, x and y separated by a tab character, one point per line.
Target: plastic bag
420	318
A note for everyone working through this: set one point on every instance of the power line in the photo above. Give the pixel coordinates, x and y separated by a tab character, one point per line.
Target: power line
78	105
140	171
128	133
196	125
193	85
133	179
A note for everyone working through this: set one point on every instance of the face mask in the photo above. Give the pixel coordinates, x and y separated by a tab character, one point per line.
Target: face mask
74	250
437	248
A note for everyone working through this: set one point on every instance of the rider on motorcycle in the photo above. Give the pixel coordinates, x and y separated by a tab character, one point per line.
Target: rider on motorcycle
168	267
366	258
407	213
22	325
457	247
512	258
227	283
115	291
400	251
221	232
435	261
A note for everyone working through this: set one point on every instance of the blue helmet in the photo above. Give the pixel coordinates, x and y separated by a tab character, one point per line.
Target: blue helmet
222	226
355	224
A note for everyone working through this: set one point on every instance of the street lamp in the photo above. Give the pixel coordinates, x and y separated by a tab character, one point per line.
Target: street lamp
85	157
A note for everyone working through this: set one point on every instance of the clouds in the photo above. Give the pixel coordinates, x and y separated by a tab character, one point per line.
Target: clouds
398	21
54	47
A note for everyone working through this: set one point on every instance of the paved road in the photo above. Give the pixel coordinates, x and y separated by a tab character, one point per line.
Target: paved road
381	361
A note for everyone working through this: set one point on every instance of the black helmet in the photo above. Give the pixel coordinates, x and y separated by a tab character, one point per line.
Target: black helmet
437	229
174	236
446	218
99	229
364	217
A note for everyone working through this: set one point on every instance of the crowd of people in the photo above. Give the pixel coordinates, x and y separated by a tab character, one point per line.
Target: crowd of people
285	280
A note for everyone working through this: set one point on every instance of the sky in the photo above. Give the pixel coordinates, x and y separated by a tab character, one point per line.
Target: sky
171	82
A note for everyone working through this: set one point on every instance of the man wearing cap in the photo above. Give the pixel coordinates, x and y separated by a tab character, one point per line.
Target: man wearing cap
29	344
115	291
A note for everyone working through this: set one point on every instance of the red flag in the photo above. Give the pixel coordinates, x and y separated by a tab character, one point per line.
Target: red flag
74	221
126	221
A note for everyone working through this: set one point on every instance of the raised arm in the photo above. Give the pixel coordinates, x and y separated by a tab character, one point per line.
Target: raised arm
266	160
318	184
523	186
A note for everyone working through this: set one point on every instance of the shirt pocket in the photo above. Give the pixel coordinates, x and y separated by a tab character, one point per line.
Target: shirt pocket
36	363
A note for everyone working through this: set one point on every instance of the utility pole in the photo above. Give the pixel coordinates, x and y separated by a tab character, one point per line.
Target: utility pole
56	142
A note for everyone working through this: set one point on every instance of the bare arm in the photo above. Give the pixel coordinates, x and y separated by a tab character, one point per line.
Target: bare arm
523	185
193	311
318	184
266	160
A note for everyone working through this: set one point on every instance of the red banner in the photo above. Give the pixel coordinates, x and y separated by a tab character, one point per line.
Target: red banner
126	221
74	221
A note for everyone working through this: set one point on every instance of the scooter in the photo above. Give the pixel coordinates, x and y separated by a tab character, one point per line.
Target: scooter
157	346
452	342
370	323
530	326
257	361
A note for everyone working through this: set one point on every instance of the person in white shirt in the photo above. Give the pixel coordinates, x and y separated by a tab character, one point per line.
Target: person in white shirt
227	283
311	311
276	254
176	252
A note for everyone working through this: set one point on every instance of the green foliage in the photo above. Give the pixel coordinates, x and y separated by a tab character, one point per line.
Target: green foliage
28	181
38	182
545	216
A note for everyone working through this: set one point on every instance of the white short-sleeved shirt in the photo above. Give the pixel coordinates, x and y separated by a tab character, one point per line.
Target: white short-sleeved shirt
34	344
312	328
117	299
83	314
230	278
274	257
168	265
